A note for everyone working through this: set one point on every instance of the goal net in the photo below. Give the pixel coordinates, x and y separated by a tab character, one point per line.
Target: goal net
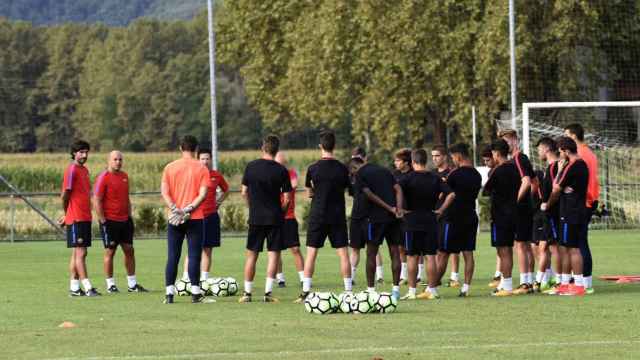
612	130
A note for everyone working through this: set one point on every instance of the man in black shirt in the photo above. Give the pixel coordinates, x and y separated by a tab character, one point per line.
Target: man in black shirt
263	183
402	164
459	225
358	220
385	198
524	220
570	189
502	186
422	190
326	182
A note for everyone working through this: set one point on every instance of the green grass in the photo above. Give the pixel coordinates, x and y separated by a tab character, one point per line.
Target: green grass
133	326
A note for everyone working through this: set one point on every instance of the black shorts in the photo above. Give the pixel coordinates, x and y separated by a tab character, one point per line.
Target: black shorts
115	233
524	226
571	235
290	236
418	243
79	234
211	231
377	232
318	233
358	233
502	235
545	228
259	233
456	237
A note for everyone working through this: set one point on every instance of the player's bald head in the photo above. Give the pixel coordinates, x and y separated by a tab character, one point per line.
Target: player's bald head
281	158
115	160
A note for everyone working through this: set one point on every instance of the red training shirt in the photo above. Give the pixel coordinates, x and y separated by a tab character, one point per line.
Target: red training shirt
113	189
593	189
210	205
291	210
76	180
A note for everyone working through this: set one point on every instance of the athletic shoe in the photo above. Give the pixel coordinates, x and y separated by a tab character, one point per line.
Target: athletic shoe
556	289
245	298
303	295
75	293
494	282
573	290
522	289
269	298
281	284
545	286
113	289
553	281
92	292
589	291
408	296
201	299
427	295
501	293
463	294
453	284
168	299
137	288
536	287
395	294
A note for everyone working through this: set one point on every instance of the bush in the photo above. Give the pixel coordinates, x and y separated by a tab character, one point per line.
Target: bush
306	211
147	220
233	218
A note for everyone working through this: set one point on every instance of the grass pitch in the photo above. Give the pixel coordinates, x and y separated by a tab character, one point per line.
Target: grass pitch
34	301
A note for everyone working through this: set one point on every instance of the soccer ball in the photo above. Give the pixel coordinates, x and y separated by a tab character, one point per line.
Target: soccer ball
321	303
220	288
233	286
344	302
183	287
386	303
361	303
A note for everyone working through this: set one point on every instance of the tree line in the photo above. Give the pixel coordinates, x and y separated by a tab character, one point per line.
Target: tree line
385	74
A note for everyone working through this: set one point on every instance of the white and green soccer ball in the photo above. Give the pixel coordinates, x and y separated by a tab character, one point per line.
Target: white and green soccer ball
220	288
361	303
183	287
321	303
233	286
386	303
344	302
206	285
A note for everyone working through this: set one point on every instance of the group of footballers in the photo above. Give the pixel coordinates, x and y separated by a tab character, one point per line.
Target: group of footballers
426	216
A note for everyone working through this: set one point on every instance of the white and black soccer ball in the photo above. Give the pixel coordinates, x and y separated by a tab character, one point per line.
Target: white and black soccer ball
361	303
205	286
183	287
386	303
344	302
220	288
321	303
233	286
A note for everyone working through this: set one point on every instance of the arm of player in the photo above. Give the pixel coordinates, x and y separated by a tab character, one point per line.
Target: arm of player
553	198
445	205
202	194
65	196
97	206
525	185
399	201
376	200
244	191
286	201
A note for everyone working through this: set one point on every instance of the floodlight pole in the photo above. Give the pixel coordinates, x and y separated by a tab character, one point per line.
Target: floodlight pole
212	80
512	45
474	131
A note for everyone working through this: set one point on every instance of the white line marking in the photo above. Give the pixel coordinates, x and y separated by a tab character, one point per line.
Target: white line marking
270	354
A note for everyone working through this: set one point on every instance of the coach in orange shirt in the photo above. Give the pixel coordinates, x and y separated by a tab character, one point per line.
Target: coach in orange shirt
113	209
76	203
184	187
576	132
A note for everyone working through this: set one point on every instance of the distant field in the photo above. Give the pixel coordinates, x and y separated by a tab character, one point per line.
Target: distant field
138	326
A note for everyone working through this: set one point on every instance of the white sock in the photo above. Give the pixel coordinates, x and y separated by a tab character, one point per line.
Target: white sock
454	276
539	276
497	274
301	275
523	278
280	277
195	289
379	273
421	274
395	288
558	278
74	285
204	275
588	282
110	282
433	290
248	286
530	278
185	275
348	284
545	277
578	280
465	288
403	271
306	284
371	289
86	284
507	284
565	278
132	281
171	290
412	291
268	285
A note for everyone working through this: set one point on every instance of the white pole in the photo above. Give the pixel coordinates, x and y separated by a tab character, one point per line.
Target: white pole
512	45
212	80
473	130
525	130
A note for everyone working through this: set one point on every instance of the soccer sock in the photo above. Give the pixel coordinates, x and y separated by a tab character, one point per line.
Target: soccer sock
579	280
86	284
412	291
558	278
110	282
131	281
497	274
433	290
306	284
171	290
565	278
539	276
395	288
465	288
185	275
280	277
530	278
248	287
268	285
371	289
195	289
588	282
301	275
421	274
523	278
348	284
454	276
403	271
379	273
74	285
507	284
204	275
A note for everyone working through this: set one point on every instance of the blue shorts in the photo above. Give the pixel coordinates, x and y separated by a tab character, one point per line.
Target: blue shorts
211	231
79	234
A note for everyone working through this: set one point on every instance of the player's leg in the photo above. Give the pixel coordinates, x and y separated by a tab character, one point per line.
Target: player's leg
309	269
556	261
469	268
354	259
523	266
372	252
454	277
574	234
403	265
298	261
429	249
394	253
577	266
126	243
211	238
274	246
175	237
107	264
83	242
339	239
74	280
585	252
279	274
442	259
195	230
543	261
506	266
357	241
412	253
379	269
497	275
205	262
422	276
255	243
